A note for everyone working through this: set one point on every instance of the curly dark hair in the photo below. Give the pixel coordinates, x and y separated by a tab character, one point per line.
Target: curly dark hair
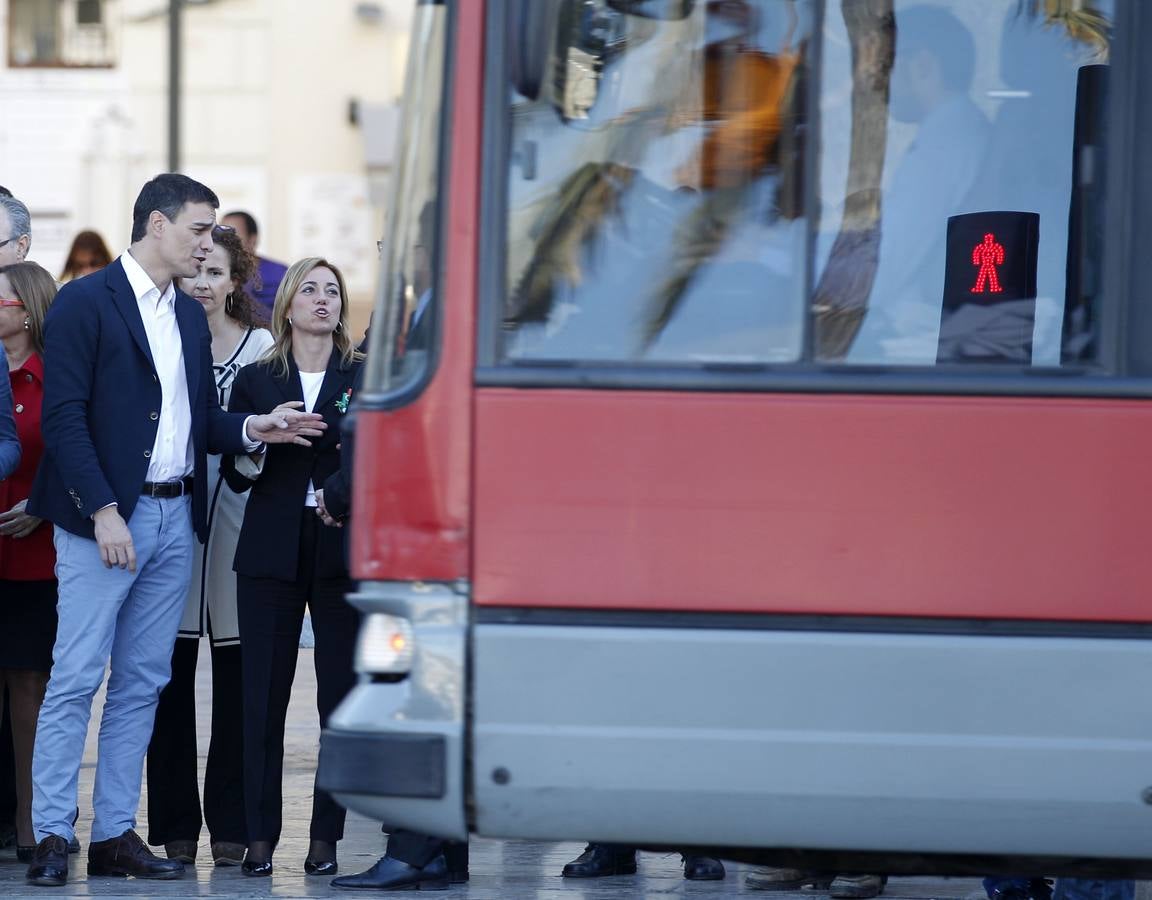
240	306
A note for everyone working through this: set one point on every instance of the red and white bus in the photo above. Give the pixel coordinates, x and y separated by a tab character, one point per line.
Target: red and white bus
754	446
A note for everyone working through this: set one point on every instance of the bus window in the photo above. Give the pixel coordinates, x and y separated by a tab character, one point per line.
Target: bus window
654	211
676	197
969	250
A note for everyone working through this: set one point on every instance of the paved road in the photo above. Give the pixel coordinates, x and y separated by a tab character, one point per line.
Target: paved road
501	870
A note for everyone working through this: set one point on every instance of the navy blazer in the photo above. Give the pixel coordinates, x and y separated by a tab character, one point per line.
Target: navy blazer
9	442
270	536
102	398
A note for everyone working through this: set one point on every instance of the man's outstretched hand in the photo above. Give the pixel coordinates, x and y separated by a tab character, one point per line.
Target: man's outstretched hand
286	424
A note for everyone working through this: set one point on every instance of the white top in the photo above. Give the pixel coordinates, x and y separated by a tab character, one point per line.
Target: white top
311	382
171	455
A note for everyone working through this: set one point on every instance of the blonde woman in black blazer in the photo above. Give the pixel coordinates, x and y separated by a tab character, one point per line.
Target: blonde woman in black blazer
286	560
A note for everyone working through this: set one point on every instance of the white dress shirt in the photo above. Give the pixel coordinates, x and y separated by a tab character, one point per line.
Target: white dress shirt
171	457
310	383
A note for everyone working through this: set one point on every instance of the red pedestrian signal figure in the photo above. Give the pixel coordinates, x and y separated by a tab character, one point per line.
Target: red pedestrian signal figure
988	255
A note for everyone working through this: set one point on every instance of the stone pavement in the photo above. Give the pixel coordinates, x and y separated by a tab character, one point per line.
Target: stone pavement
501	870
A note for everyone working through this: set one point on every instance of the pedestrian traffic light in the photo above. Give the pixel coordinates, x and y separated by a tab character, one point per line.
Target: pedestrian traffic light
989	304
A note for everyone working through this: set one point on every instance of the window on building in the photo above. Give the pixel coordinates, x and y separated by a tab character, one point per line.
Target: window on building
60	33
676	195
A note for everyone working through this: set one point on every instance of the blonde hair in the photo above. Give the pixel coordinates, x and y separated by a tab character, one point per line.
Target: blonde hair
281	348
37	289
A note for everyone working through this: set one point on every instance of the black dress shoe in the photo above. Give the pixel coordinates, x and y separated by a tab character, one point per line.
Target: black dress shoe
599	860
50	862
256	868
321	858
391	874
74	844
703	868
129	855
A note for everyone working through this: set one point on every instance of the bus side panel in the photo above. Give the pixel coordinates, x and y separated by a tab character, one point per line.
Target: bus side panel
1003	508
813	740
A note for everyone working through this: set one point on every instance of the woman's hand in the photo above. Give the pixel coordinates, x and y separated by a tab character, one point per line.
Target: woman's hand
322	511
16	523
286	424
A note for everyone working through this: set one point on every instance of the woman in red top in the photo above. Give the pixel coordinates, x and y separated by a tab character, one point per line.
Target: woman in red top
27	558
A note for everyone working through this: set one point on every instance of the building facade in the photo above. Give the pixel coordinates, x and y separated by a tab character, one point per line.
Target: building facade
287	111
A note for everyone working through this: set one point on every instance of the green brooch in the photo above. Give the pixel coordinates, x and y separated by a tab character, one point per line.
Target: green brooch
342	403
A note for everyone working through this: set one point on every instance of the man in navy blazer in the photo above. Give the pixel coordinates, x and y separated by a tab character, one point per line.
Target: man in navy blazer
129	414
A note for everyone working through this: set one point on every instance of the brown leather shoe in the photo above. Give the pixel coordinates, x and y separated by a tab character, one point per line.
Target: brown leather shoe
50	862
228	853
129	855
185	851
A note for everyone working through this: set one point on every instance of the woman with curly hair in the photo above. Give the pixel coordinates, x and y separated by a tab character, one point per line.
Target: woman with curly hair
174	811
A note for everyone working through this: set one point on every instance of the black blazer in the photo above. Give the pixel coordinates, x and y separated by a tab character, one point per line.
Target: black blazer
270	536
102	400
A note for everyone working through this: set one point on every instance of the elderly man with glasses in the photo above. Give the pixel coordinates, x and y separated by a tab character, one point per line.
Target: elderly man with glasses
15	230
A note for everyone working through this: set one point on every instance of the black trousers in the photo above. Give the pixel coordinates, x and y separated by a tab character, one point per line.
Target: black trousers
420	849
173	787
271	614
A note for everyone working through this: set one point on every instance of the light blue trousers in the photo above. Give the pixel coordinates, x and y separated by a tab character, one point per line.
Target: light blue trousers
132	620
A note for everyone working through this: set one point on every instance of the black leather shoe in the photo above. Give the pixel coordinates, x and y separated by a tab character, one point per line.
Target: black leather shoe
457	876
321	858
599	860
50	862
74	844
390	874
703	868
129	855
256	869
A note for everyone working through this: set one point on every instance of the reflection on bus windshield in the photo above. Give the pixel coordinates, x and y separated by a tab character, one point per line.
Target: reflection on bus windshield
668	200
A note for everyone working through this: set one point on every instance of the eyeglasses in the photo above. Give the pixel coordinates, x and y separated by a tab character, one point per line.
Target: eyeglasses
11	301
227	229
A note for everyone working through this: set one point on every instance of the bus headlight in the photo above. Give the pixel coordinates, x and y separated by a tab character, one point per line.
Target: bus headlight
384	646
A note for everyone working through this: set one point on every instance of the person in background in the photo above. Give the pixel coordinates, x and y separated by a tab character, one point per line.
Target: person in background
264	285
15	230
27	559
88	254
174	811
287	561
599	860
411	861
